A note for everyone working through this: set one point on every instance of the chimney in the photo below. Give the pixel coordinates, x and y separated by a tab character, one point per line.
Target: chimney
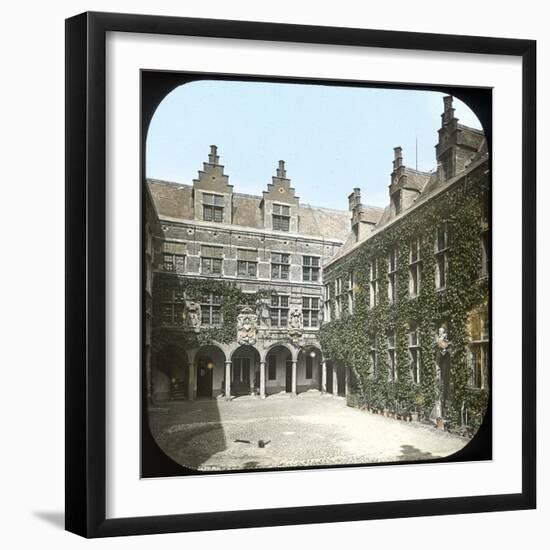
213	157
281	172
397	158
354	199
448	111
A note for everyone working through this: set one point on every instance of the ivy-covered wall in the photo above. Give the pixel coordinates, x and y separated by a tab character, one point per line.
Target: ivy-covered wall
232	301
348	339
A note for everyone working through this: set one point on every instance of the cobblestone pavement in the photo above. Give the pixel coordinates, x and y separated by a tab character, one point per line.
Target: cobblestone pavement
310	429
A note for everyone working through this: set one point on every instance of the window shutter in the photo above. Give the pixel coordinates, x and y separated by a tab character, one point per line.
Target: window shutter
211	251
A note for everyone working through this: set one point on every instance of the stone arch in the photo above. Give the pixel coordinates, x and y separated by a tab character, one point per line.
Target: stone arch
292	350
309	368
245	370
209	370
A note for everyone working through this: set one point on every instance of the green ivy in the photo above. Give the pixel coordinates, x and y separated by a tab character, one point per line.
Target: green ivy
232	301
348	340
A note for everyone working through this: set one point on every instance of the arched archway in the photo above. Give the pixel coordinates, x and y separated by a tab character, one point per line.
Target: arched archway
309	369
279	365
209	369
245	371
170	377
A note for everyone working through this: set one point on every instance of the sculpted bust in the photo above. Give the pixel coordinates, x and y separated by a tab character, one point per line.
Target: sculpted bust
441	340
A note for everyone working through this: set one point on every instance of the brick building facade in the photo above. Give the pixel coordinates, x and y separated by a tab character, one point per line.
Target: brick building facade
272	248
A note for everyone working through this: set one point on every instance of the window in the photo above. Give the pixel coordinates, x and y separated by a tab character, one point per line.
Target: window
279	310
415	267
414	353
280	265
309	367
310	268
281	217
272	367
441	247
392	275
247	263
173	257
338	298
310	311
372	355
479	349
211	309
373	277
212	207
211	260
172	306
351	291
327	303
392	357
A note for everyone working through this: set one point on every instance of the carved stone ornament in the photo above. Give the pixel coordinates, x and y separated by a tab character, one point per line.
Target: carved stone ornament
441	340
296	326
193	310
262	311
246	327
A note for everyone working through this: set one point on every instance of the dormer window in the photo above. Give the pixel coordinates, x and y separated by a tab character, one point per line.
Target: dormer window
281	217
212	207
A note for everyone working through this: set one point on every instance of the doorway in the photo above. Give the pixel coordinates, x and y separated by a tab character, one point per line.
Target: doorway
205	368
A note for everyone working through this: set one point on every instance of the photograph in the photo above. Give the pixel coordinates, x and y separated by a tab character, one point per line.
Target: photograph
316	274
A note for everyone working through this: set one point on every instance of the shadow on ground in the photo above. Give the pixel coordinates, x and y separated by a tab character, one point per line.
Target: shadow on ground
409	452
189	433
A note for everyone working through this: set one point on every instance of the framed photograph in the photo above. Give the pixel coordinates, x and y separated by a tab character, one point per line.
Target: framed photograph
300	274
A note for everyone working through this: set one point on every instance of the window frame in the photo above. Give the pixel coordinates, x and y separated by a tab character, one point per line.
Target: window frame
206	259
311	269
307	312
279	265
281	217
415	353
279	308
212	207
415	267
441	256
211	306
174	304
392	275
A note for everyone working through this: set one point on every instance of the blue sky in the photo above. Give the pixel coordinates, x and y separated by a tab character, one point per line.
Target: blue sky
332	138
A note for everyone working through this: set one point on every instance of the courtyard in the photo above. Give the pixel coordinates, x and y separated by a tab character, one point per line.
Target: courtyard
310	429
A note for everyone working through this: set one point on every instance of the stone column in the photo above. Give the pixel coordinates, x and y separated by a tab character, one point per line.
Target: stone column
251	377
228	380
347	379
324	377
294	376
334	379
191	385
262	379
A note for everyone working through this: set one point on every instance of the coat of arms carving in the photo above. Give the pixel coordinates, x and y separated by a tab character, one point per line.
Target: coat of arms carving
246	326
193	310
296	326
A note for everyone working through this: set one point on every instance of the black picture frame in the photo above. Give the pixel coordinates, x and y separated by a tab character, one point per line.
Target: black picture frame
86	275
